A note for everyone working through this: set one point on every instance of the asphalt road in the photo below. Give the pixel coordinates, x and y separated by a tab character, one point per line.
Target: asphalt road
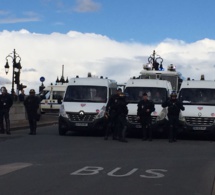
86	164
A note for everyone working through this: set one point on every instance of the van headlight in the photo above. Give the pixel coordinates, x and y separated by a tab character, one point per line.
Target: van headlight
101	113
62	112
181	117
162	115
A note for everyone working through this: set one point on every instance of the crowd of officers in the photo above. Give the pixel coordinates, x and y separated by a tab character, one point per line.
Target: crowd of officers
31	103
116	116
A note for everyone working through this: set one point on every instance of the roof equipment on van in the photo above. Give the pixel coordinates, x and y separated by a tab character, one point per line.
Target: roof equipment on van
153	59
202	77
171	67
147	66
154	70
89	74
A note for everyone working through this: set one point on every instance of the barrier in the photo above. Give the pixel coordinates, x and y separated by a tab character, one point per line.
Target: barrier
17	113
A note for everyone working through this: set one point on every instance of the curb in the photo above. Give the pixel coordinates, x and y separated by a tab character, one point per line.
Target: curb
26	126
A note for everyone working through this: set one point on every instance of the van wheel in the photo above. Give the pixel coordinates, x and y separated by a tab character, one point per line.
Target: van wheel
62	131
213	135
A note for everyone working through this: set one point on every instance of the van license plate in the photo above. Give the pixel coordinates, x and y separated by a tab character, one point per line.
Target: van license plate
138	126
199	128
81	124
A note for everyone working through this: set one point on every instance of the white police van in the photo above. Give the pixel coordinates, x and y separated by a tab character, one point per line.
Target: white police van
198	98
158	91
84	103
51	98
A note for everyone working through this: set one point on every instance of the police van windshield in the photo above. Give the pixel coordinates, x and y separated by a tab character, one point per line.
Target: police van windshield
197	96
45	94
157	95
55	94
86	94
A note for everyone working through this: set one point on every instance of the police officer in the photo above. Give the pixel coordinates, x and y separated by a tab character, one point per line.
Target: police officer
144	109
174	107
6	102
31	104
122	111
111	115
22	96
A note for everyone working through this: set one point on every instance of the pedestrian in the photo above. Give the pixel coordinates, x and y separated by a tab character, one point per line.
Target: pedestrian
6	101
174	106
15	97
121	117
31	104
111	115
144	109
22	96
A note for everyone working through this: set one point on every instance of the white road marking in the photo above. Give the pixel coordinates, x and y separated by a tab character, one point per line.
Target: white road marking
118	168
93	170
8	168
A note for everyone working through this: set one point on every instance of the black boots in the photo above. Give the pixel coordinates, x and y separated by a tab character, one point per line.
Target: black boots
122	136
8	127
147	133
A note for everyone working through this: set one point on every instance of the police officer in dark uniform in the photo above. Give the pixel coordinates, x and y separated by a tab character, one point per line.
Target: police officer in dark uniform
144	109
111	115
174	107
6	102
122	112
31	104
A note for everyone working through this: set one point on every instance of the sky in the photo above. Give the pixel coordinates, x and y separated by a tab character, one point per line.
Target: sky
107	38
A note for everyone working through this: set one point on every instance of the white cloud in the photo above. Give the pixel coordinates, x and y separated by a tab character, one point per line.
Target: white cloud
87	6
44	55
9	18
18	20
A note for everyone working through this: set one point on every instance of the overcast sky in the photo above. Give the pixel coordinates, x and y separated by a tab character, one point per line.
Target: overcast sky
111	39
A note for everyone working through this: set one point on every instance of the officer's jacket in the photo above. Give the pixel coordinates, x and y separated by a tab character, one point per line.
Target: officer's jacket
111	105
6	101
174	107
121	106
142	106
32	103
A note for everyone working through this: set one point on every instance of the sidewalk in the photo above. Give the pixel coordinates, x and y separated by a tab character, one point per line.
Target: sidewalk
46	119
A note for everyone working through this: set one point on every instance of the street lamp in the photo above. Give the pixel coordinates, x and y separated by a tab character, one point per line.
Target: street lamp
16	69
62	80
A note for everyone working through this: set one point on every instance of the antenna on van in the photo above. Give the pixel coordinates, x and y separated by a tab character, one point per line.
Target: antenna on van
89	74
202	77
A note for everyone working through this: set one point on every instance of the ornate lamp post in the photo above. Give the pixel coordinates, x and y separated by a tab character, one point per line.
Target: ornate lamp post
16	69
62	80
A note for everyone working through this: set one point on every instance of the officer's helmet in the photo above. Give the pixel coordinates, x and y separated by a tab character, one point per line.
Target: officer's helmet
173	94
3	89
32	91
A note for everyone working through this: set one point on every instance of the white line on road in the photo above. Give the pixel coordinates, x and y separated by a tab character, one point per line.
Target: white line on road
8	168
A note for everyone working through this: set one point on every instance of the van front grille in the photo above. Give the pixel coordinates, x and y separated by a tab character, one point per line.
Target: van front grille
87	117
204	121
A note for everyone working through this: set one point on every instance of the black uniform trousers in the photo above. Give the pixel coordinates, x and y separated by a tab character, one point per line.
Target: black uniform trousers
121	126
4	116
112	126
146	127
173	127
32	119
